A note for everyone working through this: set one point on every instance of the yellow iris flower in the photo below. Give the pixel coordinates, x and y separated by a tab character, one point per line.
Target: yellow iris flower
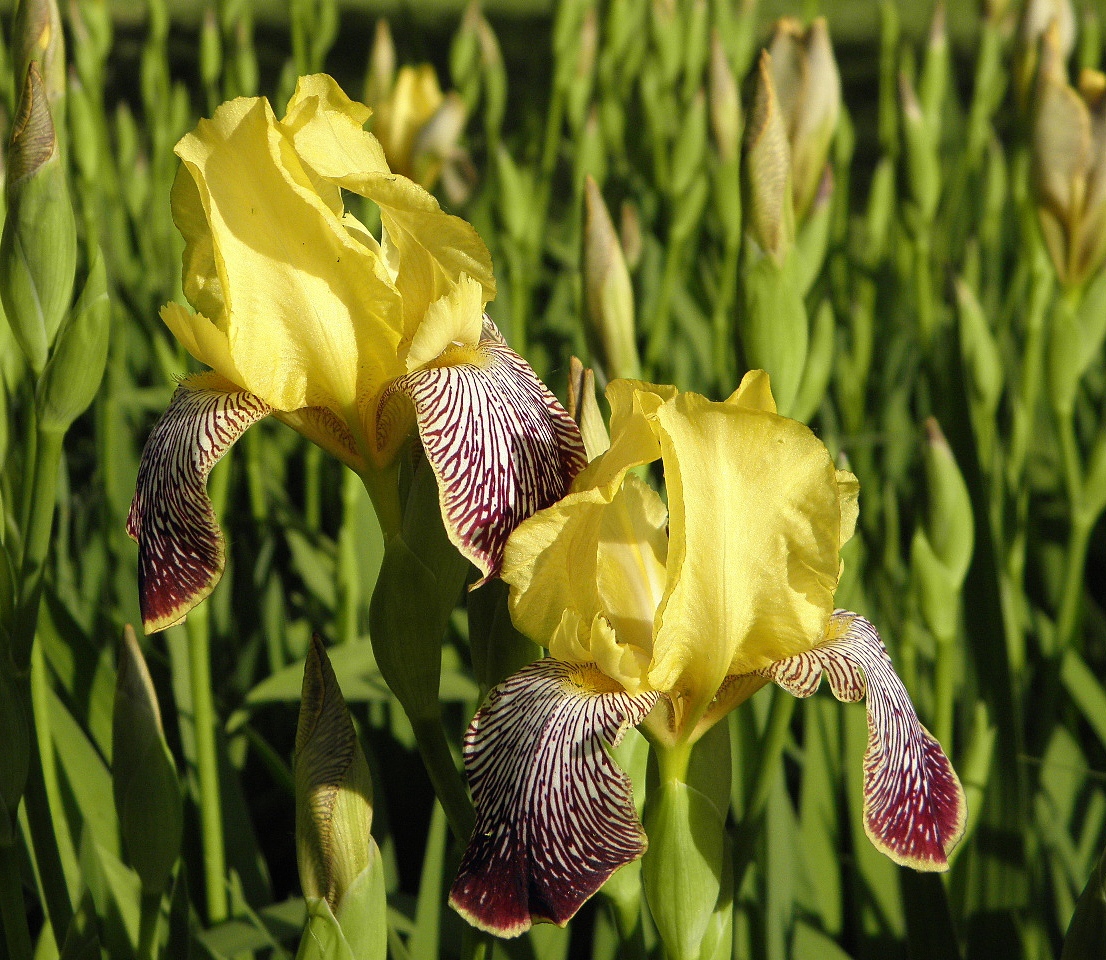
669	617
300	312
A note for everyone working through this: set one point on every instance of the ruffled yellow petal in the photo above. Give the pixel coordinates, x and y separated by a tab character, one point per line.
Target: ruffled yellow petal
550	565
455	318
754	393
754	538
201	338
633	441
308	320
427	251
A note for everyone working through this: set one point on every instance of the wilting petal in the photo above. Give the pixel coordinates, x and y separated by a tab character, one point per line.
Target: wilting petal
554	814
914	806
180	547
501	445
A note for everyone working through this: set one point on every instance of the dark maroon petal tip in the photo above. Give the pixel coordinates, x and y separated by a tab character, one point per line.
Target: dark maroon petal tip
180	547
914	809
554	813
501	445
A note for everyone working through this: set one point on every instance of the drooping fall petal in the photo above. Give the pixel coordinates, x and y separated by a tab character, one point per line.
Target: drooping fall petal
180	546
501	445
555	815
914	808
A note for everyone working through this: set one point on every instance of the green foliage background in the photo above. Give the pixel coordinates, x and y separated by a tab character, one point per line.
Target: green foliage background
919	309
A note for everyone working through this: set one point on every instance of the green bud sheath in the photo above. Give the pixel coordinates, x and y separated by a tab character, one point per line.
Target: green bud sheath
609	293
774	330
685	821
333	787
725	104
76	366
143	775
38	250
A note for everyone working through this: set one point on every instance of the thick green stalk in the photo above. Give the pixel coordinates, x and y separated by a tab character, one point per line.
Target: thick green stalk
944	691
444	776
723	319
13	911
148	921
39	521
1082	524
197	629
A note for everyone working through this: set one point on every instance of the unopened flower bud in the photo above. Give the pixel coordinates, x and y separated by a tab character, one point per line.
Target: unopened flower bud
725	105
922	161
76	366
1038	17
608	291
397	120
1068	155
808	88
382	65
38	251
770	215
334	797
629	235
583	407
437	143
143	774
37	36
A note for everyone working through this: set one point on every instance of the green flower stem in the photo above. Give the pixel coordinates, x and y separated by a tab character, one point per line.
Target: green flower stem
446	779
672	762
659	340
723	317
13	911
38	522
149	919
945	691
774	739
197	629
1082	524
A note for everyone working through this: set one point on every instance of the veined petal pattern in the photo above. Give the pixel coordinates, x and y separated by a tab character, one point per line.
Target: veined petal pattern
501	445
181	553
914	809
555	815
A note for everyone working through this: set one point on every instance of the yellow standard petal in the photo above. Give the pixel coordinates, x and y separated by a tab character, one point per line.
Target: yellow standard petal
308	319
754	538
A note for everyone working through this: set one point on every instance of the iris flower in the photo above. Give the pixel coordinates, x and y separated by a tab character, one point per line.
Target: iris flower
304	315
669	618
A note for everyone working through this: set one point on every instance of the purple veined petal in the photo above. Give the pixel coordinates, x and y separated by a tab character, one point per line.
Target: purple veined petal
181	553
554	813
501	445
914	809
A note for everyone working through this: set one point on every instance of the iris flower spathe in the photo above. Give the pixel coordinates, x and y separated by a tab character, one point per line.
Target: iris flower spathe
669	618
301	313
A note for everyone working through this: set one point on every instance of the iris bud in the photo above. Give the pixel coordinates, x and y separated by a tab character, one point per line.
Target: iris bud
382	65
1068	155
808	88
339	863
76	366
38	251
609	293
1038	17
769	209
725	105
583	407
